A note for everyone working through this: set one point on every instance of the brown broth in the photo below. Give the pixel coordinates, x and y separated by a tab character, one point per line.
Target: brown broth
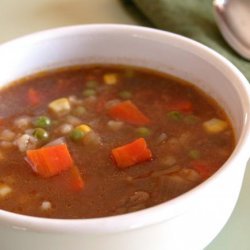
178	141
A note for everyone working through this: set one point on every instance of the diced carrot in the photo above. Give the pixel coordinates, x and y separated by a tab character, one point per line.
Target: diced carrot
34	97
128	112
132	153
50	161
201	168
76	181
182	105
1	121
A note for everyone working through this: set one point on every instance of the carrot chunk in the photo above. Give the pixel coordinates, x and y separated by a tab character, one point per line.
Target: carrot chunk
181	105
50	161
34	97
131	154
76	181
1	121
202	169
128	112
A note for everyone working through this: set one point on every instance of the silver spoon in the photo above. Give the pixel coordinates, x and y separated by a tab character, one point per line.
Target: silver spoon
233	20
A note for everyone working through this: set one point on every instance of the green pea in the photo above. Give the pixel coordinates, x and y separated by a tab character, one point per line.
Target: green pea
143	132
41	134
89	92
175	115
76	134
42	122
194	154
80	110
125	94
91	84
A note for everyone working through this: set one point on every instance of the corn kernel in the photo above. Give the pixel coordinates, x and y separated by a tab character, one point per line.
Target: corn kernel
110	78
60	106
84	128
215	125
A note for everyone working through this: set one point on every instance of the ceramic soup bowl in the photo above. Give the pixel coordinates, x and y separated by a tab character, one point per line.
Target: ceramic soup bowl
189	221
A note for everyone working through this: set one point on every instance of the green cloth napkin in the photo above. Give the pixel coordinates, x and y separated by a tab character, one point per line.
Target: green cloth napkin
193	19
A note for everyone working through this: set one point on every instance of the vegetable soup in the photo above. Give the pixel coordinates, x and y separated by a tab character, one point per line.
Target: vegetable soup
102	140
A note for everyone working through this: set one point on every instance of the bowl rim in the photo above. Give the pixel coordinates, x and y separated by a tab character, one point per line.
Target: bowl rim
164	211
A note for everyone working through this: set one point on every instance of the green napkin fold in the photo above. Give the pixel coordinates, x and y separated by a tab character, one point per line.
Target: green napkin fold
193	19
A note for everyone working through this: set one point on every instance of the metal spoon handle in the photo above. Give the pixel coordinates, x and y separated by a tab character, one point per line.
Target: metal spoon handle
233	20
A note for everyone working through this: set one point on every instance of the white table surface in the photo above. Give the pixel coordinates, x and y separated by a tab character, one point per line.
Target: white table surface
20	17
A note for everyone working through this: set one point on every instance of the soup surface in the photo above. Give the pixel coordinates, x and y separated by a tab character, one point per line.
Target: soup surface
93	141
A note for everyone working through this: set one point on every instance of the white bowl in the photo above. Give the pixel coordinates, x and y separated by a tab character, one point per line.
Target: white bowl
189	221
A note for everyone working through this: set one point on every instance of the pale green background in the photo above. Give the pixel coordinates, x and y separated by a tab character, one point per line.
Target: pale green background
19	17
